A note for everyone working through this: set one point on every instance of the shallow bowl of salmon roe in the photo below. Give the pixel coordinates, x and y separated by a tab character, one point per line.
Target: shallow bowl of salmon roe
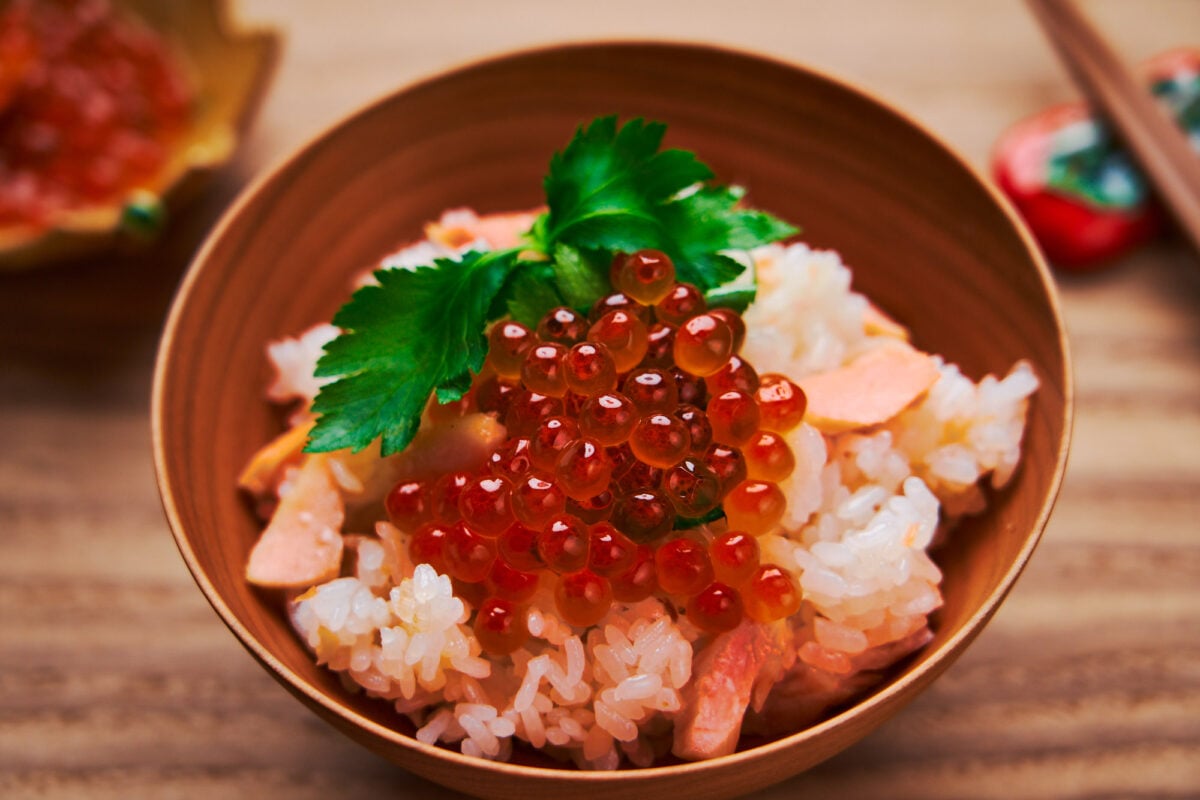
930	242
112	116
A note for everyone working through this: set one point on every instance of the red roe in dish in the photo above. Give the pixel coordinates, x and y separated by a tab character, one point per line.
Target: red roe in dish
603	494
647	275
716	608
703	344
624	334
508	343
771	594
583	597
501	626
589	370
562	325
91	103
781	403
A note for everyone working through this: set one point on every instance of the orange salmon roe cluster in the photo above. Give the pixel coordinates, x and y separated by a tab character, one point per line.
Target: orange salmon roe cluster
627	429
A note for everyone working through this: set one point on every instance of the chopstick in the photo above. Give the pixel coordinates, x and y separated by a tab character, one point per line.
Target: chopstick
1155	141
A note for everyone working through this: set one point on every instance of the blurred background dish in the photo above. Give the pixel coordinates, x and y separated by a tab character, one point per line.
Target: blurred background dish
113	112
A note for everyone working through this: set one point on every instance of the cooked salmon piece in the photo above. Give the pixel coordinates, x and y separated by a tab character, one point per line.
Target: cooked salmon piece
261	474
806	694
302	544
458	228
870	390
723	679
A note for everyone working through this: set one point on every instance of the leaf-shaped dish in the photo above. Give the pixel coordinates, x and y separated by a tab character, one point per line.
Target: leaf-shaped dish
229	70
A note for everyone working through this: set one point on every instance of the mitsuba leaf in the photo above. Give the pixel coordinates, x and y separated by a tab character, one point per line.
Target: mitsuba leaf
605	189
582	278
414	332
705	222
529	294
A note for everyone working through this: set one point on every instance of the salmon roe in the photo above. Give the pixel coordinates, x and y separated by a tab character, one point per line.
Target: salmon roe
627	437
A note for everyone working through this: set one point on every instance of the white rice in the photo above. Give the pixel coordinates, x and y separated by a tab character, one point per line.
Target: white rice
864	507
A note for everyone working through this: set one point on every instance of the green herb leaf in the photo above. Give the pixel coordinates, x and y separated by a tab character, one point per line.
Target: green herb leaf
614	191
606	188
580	276
530	294
707	222
416	331
737	297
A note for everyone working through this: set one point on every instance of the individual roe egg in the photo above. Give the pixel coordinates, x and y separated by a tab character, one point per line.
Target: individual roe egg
682	302
549	438
734	417
542	370
734	556
771	594
736	374
511	459
526	410
699	429
589	369
692	487
582	598
611	552
651	390
409	504
716	608
639	476
625	336
596	508
645	515
536	499
660	346
639	581
692	389
445	492
468	555
562	325
509	583
518	547
583	469
618	301
727	463
647	275
768	457
755	506
428	545
508	342
703	344
682	567
563	543
781	403
493	394
659	440
501	626
485	504
608	418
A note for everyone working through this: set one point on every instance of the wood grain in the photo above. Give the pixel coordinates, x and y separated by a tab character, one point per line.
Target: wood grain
117	680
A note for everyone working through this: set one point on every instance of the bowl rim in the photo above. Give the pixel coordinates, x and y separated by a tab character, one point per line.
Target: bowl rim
920	674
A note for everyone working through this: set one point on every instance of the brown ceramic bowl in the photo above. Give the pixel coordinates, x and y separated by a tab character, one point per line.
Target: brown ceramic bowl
930	241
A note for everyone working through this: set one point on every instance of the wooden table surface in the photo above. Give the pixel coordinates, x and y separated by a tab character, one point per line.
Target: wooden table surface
118	681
